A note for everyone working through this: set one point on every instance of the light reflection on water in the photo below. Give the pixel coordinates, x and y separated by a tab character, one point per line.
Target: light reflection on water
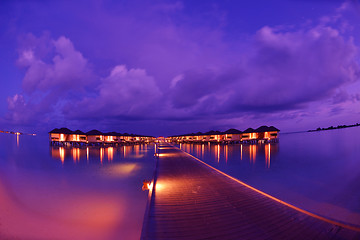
246	152
319	172
71	193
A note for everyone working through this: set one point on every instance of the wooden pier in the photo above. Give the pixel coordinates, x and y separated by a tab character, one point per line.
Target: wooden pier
192	200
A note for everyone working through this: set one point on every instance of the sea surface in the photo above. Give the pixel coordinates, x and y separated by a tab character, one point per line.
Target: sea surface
71	193
318	171
95	193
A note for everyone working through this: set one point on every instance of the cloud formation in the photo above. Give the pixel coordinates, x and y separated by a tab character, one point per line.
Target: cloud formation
283	70
158	68
125	92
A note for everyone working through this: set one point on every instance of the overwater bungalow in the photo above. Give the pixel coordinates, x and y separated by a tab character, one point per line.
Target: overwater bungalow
249	135
95	136
267	133
78	137
60	135
128	138
65	136
111	137
232	135
214	136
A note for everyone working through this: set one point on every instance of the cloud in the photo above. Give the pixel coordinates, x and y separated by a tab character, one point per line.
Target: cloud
67	69
159	65
54	73
125	92
282	70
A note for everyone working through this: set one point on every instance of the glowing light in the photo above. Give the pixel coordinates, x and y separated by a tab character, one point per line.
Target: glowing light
62	154
202	150
147	185
164	154
241	150
101	155
159	186
76	154
252	153
266	135
76	138
226	152
217	152
110	153
122	169
62	137
87	154
17	140
267	155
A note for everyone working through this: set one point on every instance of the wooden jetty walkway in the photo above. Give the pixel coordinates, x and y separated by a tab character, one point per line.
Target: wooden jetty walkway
191	200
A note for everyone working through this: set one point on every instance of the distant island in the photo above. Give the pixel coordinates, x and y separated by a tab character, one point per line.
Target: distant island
17	133
332	127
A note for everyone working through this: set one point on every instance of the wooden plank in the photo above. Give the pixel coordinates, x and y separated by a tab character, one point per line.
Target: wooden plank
193	201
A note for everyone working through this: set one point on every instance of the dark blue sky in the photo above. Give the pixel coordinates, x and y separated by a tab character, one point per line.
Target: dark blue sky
167	67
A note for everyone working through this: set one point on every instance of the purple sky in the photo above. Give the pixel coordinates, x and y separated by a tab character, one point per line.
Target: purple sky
170	67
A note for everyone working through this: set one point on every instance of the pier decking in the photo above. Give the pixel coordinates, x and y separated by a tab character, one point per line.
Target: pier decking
192	200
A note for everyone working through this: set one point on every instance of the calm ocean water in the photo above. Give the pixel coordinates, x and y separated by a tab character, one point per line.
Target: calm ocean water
318	171
95	193
64	193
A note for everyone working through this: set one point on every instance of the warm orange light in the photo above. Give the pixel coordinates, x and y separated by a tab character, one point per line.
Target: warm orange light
101	155
87	154
163	154
62	154
252	152
76	154
62	137
241	150
159	186
267	155
110	153
122	169
202	150
76	138
226	153
147	185
266	135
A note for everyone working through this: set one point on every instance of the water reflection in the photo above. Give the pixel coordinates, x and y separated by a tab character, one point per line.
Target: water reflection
267	155
65	191
241	150
101	155
110	153
251	152
17	140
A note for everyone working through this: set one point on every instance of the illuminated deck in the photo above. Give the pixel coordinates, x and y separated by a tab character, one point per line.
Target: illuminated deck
191	200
